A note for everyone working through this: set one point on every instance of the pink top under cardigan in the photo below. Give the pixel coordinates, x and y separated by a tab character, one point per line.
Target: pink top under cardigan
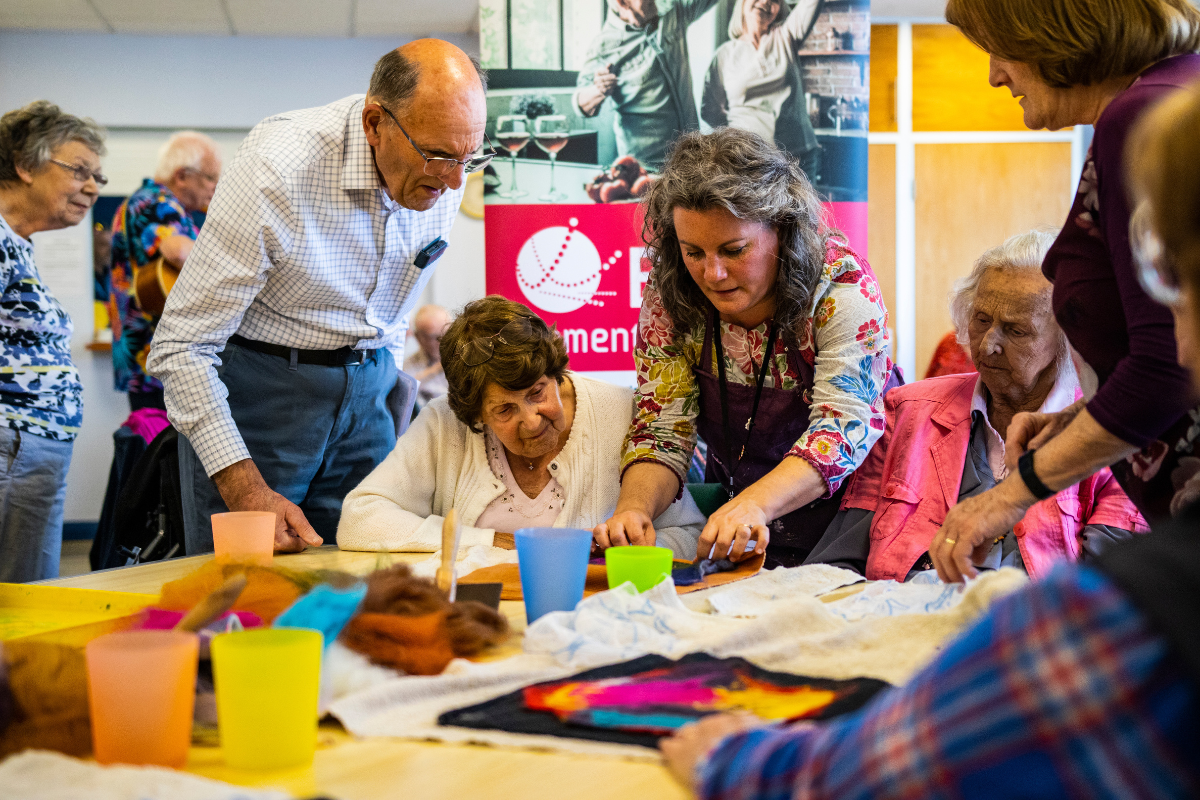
912	485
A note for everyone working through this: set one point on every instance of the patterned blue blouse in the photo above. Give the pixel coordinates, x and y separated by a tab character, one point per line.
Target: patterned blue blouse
40	391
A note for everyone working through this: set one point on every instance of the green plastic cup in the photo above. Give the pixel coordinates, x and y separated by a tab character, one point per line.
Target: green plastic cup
645	567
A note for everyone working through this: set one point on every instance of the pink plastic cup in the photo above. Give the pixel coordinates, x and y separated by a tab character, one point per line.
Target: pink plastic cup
246	536
141	692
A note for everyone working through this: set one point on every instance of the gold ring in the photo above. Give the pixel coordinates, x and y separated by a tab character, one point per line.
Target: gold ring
951	541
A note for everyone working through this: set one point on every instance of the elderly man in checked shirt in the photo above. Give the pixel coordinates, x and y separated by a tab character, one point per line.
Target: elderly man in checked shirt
282	340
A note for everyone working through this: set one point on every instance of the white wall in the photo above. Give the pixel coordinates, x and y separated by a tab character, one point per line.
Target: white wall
186	81
220	85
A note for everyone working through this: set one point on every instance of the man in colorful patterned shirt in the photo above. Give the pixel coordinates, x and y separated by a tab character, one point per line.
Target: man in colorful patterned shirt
49	179
156	220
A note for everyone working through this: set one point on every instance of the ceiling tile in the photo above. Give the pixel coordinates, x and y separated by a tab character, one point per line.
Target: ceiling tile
51	15
164	16
291	17
414	18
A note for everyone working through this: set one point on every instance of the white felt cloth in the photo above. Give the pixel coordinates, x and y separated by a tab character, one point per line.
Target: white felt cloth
469	559
796	634
42	775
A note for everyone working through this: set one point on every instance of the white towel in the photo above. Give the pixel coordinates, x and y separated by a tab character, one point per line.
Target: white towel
42	775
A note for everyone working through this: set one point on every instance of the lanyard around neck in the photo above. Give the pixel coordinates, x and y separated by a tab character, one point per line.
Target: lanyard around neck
760	376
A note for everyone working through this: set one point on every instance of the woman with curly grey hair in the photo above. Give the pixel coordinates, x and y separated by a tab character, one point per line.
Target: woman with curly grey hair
49	179
762	331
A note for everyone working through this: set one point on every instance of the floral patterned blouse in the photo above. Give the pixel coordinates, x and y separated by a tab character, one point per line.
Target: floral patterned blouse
152	214
845	338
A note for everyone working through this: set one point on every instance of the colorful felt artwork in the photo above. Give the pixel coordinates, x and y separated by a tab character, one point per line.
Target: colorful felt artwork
642	700
661	700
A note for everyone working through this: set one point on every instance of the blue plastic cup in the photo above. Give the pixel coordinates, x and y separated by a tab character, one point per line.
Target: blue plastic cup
553	564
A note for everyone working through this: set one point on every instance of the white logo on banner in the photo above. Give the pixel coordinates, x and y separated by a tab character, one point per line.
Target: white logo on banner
559	269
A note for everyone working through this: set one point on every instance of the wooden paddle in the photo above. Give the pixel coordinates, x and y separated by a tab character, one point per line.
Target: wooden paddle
213	606
446	578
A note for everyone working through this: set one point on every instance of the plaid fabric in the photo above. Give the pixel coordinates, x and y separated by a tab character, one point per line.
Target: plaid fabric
302	247
1062	690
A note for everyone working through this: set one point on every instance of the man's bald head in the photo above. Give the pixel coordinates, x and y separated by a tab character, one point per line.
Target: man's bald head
433	64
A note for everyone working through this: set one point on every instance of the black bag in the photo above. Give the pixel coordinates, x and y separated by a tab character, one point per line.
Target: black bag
147	520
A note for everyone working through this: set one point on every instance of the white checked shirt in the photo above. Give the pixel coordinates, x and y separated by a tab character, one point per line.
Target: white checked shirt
302	247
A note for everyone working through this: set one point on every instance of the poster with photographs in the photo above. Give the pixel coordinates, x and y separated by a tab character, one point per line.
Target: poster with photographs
585	99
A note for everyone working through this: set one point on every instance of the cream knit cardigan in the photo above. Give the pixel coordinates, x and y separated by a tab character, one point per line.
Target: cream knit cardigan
439	464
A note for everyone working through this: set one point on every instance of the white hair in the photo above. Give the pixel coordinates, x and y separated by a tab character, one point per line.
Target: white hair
1025	251
739	8
184	150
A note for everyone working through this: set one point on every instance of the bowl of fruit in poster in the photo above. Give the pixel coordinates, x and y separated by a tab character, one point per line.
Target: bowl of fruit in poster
625	181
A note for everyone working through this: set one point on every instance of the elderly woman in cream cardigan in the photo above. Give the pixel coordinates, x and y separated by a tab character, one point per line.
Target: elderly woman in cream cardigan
517	442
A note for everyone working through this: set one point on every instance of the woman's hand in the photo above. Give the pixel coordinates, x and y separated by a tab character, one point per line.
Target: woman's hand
624	528
732	527
1186	480
972	526
693	742
1029	431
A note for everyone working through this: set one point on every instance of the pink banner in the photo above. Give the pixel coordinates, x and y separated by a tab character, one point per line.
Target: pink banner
581	267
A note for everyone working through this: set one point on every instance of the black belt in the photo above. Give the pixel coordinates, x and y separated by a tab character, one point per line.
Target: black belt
342	357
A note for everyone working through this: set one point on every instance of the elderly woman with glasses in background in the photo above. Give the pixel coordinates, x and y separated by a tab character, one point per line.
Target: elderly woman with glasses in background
49	179
1101	63
517	442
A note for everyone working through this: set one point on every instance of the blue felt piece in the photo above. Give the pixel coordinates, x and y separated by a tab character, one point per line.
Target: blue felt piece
324	609
696	572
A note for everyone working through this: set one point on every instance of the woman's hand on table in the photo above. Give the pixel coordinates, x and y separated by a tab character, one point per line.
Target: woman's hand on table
734	526
683	751
972	526
1030	430
624	528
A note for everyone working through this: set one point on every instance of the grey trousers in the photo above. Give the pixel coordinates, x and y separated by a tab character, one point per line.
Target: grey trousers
33	488
314	432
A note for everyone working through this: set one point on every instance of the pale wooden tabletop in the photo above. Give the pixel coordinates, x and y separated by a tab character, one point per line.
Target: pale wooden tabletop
349	768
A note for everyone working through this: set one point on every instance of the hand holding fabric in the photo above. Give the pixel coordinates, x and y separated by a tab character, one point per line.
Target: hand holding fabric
733	528
625	528
972	526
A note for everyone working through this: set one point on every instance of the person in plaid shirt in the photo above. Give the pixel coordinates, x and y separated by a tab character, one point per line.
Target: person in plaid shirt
1084	684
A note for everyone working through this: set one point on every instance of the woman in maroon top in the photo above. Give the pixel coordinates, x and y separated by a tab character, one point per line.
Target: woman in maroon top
1105	63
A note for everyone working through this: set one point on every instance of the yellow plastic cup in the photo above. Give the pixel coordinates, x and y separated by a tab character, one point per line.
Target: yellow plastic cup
246	536
141	692
646	567
267	683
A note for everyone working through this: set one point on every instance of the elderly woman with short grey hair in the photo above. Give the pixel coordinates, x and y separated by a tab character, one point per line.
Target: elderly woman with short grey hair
49	179
764	332
949	438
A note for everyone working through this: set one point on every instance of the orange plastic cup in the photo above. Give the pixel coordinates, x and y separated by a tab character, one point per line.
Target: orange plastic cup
141	690
247	536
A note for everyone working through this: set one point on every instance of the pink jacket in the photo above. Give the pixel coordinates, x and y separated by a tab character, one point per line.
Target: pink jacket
912	485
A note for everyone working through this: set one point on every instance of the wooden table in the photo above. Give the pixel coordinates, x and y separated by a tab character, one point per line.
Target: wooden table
348	768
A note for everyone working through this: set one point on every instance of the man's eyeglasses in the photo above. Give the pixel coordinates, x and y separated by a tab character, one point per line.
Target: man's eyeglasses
479	351
210	178
81	173
438	167
1155	270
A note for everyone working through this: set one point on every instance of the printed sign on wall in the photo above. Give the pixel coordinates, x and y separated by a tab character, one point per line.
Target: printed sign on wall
580	267
585	99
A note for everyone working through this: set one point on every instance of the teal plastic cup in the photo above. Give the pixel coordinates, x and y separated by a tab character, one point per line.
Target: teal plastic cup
553	564
644	567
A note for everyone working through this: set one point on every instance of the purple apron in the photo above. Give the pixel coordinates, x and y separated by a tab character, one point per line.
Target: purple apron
781	420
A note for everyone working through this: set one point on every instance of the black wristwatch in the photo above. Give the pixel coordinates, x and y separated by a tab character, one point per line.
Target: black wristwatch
1032	482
